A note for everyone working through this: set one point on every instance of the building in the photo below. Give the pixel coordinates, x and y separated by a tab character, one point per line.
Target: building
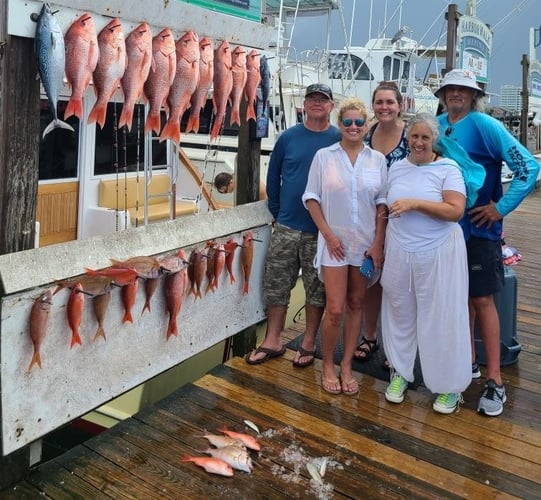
511	98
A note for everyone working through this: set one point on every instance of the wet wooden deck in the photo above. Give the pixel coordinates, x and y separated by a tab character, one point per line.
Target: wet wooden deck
375	449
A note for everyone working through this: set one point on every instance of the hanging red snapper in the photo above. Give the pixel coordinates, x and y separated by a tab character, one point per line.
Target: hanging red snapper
184	84
238	69
223	83
219	262
39	319
51	58
206	74
230	246
74	311
110	69
82	54
247	256
160	78
252	83
196	272
174	288
139	54
129	293
100	304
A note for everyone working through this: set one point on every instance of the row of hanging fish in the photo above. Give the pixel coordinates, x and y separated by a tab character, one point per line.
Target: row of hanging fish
175	75
180	275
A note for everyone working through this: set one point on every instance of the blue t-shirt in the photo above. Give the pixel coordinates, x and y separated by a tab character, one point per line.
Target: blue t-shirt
489	143
288	172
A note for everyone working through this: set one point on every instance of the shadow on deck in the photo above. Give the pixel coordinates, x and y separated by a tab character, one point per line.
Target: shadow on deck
375	449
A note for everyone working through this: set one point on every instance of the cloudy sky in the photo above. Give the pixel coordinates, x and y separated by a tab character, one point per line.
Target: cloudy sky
510	21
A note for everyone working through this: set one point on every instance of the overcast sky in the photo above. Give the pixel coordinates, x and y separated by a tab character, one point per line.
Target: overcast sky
510	21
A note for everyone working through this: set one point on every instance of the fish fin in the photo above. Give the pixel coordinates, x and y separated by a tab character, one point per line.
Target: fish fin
234	118
216	128
232	278
127	317
126	117
171	130
100	332
74	108
97	115
152	124
172	329
75	339
193	124
146	307
57	123
245	287
250	112
36	360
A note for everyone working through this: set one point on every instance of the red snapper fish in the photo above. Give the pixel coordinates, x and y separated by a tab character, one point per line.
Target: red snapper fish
248	441
139	54
74	311
39	319
184	84
210	464
82	52
247	256
236	456
145	267
211	255
230	246
196	272
128	294
219	262
252	83
160	78
121	276
174	288
110	69
223	84
238	68
206	74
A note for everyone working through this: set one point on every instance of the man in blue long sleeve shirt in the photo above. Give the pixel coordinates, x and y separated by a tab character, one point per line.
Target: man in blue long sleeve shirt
294	239
488	143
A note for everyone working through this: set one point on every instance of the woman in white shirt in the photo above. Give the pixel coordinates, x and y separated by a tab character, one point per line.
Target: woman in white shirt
425	277
345	194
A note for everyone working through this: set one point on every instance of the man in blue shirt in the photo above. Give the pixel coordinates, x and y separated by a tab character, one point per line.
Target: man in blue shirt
294	238
488	143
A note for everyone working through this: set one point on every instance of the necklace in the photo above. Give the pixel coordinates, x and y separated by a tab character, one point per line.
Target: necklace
434	156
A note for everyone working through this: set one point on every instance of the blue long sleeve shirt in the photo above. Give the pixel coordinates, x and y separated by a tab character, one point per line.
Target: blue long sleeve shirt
288	173
489	143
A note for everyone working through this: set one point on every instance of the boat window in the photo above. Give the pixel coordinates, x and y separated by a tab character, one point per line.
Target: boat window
340	68
396	69
387	61
58	151
120	150
406	71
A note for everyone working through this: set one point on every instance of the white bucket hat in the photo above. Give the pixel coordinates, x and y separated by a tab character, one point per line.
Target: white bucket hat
462	78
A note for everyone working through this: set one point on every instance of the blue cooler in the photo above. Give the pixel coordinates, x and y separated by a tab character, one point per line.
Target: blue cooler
506	304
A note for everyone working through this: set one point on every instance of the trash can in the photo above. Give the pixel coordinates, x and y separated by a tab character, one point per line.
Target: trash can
506	304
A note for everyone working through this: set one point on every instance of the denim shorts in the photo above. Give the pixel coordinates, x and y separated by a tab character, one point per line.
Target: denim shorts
485	266
290	251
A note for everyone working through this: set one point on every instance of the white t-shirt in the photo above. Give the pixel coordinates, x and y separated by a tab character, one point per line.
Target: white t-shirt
348	195
413	230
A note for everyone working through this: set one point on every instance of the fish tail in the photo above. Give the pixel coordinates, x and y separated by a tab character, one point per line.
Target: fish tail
127	317
193	124
146	307
250	112
172	329
36	360
245	287
74	108
216	127
57	123
100	332
171	131
97	115
152	123
232	278
75	339
235	117
126	117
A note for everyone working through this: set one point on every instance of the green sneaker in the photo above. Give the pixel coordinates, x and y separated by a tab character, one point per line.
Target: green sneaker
448	402
396	389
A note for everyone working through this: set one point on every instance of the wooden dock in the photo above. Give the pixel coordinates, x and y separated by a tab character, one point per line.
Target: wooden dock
374	449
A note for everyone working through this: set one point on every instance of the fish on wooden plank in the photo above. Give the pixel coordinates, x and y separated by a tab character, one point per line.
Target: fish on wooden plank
236	456
210	464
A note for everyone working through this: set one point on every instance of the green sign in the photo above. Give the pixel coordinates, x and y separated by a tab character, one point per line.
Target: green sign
247	9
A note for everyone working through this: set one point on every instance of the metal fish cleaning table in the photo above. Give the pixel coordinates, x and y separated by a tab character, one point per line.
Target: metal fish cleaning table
375	449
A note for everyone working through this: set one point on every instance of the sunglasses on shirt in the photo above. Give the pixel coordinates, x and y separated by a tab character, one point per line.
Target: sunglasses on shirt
348	122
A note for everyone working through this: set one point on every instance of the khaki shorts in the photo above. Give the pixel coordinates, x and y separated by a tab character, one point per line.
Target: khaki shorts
291	250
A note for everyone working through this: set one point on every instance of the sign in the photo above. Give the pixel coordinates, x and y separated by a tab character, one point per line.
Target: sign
247	9
475	46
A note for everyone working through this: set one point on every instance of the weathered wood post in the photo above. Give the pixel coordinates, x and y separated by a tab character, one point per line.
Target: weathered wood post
19	153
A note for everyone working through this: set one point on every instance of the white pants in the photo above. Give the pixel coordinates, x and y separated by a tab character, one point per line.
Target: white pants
425	307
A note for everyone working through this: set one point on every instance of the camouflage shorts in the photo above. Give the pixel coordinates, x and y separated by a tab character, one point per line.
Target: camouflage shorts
291	250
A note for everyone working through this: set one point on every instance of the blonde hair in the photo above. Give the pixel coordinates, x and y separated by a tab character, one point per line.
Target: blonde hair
352	104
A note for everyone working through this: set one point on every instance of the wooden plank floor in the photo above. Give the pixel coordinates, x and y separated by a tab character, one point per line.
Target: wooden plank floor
375	449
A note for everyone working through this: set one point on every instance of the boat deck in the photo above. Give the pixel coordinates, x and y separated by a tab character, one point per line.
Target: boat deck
374	449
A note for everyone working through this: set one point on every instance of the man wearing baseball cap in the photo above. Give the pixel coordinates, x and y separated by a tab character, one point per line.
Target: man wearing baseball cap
488	143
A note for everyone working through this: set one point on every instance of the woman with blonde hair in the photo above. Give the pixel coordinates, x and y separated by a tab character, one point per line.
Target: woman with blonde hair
346	196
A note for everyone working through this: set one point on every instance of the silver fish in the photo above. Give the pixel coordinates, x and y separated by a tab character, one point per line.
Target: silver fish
220	441
51	60
235	456
264	70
